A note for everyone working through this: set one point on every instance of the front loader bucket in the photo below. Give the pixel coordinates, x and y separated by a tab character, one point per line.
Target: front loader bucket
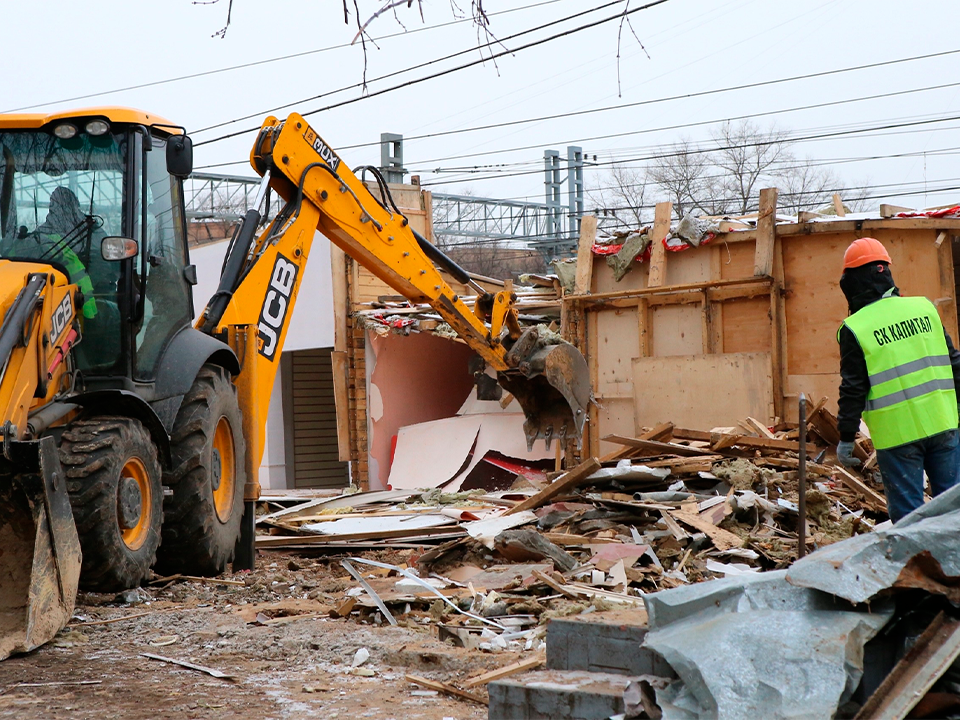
551	381
39	549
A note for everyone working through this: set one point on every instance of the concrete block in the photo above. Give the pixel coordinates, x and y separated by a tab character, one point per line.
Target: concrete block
557	695
603	642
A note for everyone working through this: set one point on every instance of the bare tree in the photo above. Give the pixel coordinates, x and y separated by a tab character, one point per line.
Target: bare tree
747	158
621	195
681	175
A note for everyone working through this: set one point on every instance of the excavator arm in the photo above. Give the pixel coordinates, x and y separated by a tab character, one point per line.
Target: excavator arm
262	277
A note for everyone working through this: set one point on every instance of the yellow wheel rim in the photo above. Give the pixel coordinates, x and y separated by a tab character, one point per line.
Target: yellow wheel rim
223	450
134	537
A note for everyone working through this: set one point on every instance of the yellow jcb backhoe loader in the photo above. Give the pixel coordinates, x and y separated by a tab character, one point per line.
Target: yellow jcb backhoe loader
151	429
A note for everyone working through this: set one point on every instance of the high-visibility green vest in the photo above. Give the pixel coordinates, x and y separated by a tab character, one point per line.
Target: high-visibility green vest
912	395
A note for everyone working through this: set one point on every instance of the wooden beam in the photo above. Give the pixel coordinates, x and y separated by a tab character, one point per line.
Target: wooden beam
660	432
766	233
697	287
338	359
658	448
911	678
946	302
658	258
859	487
645	329
887	211
562	484
519	666
588	236
445	689
341	299
838	205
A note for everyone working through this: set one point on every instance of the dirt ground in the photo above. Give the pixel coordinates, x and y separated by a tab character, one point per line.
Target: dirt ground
295	669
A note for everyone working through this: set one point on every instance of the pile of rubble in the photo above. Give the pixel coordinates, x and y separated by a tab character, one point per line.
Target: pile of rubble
669	508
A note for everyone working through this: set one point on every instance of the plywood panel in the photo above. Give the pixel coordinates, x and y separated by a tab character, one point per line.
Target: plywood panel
677	330
603	280
703	391
814	304
616	417
914	260
618	342
688	266
746	325
736	260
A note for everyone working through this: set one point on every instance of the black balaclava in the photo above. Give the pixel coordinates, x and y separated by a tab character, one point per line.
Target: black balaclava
866	284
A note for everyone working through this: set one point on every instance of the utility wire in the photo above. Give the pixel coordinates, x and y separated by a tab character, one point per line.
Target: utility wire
268	61
670	98
441	73
699	123
697	151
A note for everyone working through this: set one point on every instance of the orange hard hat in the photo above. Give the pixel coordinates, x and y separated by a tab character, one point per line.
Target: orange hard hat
863	251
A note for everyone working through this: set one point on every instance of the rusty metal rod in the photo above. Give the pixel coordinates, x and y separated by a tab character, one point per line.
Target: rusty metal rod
802	480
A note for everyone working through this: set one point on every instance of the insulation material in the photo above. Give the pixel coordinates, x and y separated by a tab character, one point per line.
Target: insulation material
753	646
431	453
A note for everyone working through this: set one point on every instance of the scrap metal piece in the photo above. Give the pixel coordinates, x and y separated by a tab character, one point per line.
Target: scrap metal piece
921	547
754	646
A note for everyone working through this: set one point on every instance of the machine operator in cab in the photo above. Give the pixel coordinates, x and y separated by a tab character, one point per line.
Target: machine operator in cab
900	372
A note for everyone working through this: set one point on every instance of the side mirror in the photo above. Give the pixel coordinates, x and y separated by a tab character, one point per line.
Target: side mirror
180	156
118	248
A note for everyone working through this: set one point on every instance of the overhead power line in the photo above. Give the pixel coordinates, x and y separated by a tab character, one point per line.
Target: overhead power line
267	61
682	126
669	98
698	151
448	71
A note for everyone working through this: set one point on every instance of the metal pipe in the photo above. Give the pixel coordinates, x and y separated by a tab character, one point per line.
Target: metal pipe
802	480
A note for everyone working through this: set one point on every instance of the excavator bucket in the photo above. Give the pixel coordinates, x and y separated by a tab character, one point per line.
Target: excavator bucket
39	549
551	381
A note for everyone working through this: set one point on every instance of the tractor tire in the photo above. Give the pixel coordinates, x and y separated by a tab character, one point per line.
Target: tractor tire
201	520
114	482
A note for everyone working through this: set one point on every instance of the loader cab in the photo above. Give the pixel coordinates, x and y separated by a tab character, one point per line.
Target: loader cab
66	184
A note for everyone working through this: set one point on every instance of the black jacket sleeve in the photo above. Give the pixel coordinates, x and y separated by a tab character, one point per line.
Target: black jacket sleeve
955	363
855	384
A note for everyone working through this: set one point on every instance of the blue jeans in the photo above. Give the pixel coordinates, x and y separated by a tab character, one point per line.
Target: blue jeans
902	470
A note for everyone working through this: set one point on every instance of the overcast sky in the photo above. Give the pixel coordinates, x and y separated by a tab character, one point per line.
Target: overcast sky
67	54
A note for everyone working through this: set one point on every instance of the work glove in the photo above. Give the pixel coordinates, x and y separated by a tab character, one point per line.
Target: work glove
845	454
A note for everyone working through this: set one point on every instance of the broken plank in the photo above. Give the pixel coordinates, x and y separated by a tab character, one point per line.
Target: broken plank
656	447
565	482
588	235
553	584
274	541
506	671
722	539
861	488
932	655
825	423
663	431
445	689
759	428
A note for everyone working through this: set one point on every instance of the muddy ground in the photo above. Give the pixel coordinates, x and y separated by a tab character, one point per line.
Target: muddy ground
295	669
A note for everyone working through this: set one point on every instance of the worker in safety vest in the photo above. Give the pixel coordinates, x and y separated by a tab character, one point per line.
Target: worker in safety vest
900	371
